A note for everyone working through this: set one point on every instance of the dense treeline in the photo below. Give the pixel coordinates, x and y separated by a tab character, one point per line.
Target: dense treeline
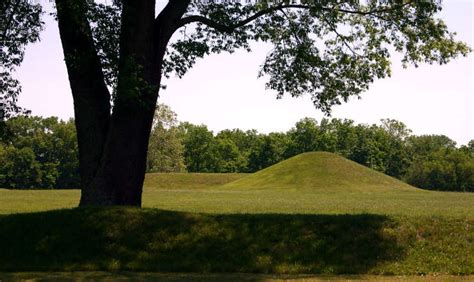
42	153
38	152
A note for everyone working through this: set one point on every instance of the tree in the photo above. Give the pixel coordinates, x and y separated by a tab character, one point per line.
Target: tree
369	149
271	150
396	156
200	148
425	145
127	47
230	159
303	137
469	148
40	153
446	170
165	148
233	147
65	152
19	169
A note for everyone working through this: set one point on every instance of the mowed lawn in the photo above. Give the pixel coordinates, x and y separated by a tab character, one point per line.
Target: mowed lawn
316	213
155	187
288	201
295	201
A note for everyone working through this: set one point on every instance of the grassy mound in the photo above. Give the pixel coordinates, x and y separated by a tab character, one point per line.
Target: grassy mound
154	240
323	171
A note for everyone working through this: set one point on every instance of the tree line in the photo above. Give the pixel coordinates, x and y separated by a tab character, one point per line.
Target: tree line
40	152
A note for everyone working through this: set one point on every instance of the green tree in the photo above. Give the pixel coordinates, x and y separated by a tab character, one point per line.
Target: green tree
245	141
54	147
327	138
271	149
234	148
20	169
330	50
200	148
446	170
345	136
64	152
303	137
425	145
165	148
469	148
366	151
230	158
396	155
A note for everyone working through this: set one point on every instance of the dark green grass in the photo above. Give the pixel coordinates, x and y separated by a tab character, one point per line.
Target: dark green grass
153	240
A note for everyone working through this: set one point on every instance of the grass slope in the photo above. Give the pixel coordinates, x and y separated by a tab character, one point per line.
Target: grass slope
322	171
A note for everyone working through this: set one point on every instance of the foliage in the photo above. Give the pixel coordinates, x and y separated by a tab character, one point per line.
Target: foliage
331	51
105	25
446	170
200	148
20	24
19	169
269	150
39	153
165	148
293	30
230	159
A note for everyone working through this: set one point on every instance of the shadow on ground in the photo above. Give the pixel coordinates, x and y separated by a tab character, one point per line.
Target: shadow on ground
130	239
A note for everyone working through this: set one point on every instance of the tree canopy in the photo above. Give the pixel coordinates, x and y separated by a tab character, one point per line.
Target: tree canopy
331	50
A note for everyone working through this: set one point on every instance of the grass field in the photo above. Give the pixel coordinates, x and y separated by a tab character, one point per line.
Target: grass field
314	213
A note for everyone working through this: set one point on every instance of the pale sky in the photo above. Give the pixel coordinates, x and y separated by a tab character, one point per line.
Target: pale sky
223	92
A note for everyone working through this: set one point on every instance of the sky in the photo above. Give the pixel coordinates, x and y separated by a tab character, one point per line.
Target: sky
223	92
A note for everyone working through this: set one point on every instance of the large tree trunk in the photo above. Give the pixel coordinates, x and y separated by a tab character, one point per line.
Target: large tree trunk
122	169
90	94
113	148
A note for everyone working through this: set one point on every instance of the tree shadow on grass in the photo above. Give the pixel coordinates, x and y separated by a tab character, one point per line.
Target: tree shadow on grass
118	239
172	277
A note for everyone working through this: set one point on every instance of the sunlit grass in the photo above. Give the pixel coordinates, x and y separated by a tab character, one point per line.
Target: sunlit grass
304	201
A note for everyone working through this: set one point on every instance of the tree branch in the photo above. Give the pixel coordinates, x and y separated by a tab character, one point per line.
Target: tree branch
343	38
230	28
170	16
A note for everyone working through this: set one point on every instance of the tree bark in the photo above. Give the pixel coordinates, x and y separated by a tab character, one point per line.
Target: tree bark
90	94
